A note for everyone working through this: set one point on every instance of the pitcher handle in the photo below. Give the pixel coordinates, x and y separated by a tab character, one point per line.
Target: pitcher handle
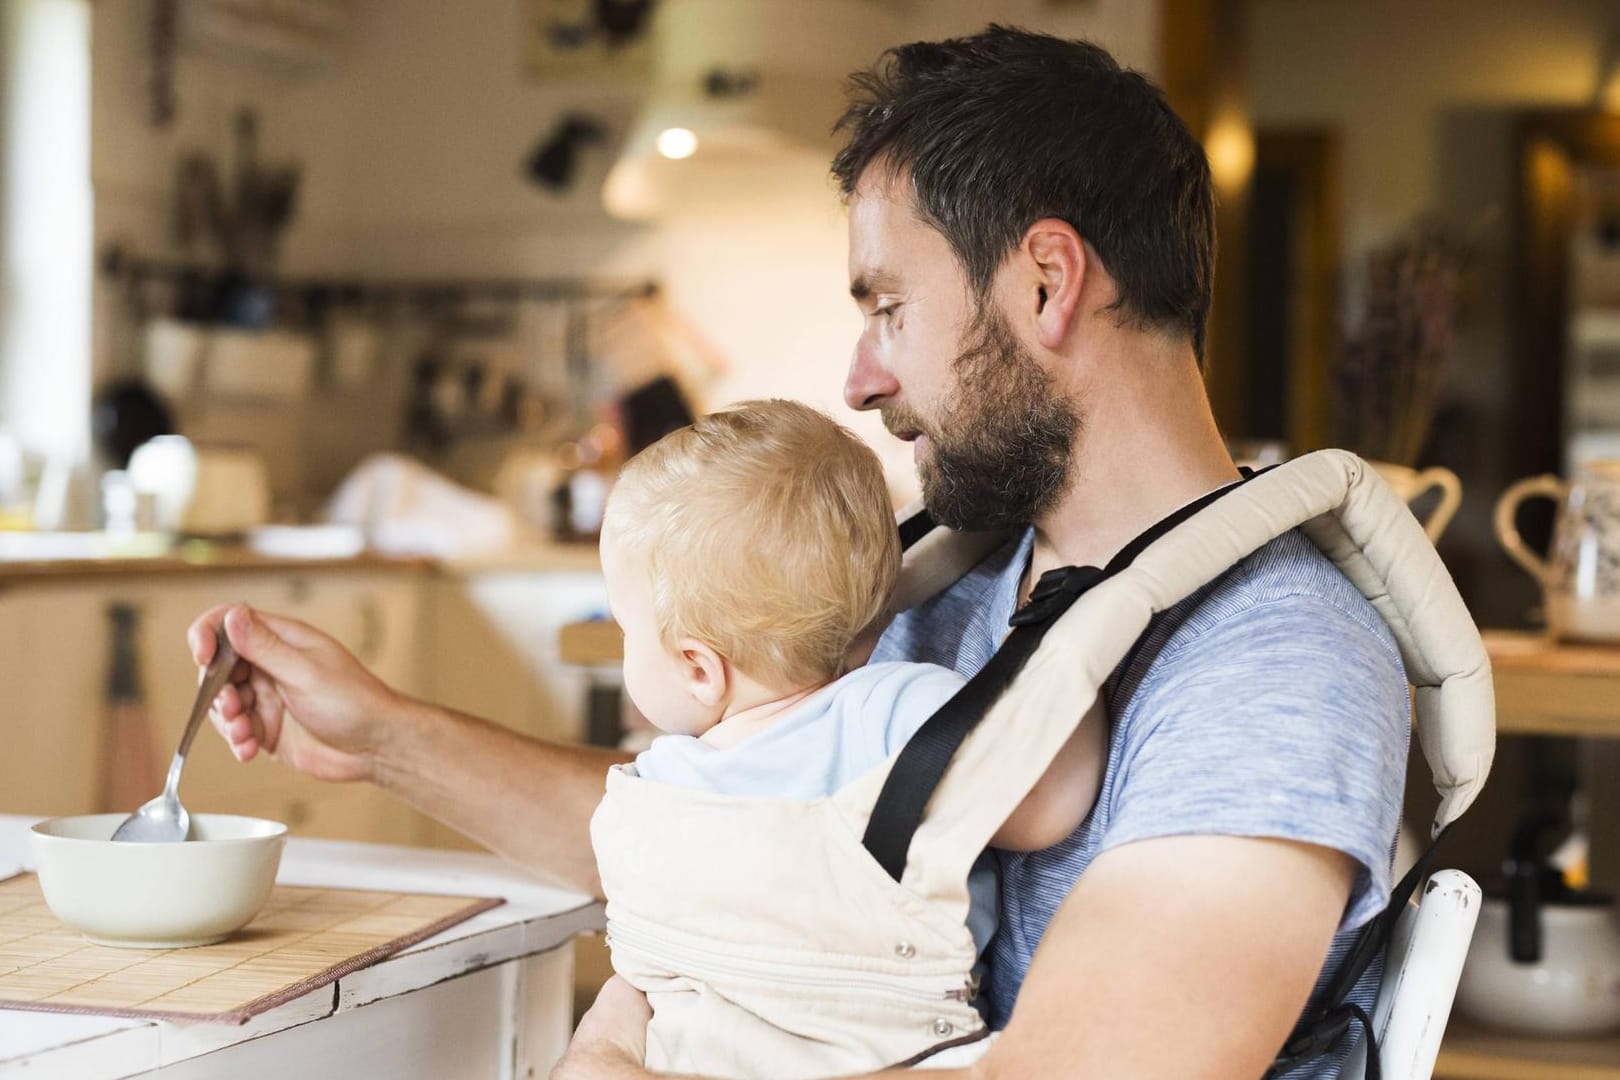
1450	488
1507	529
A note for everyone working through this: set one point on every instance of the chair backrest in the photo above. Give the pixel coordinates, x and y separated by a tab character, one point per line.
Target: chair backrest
1421	970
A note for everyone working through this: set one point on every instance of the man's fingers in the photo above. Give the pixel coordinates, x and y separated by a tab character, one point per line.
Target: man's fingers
228	702
268	713
234	723
256	640
200	634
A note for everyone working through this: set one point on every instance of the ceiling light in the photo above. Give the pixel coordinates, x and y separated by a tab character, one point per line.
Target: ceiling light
754	83
676	143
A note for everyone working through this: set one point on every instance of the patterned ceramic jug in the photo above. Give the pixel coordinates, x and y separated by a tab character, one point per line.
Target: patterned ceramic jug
1580	576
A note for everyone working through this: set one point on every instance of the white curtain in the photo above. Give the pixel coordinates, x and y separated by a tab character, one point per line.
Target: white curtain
45	225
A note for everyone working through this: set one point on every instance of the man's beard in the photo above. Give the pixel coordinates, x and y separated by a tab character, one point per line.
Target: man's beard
1001	450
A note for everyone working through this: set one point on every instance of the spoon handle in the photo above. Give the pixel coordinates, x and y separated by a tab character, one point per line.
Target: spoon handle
217	674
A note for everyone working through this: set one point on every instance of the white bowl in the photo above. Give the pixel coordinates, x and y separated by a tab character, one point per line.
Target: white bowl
157	896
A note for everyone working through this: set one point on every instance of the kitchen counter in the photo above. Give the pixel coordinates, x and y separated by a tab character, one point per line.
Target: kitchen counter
85	557
489	997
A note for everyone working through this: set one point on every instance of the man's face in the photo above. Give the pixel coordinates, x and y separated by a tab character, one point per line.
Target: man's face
994	440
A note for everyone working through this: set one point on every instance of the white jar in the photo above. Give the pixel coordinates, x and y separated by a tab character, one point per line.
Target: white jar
1574	989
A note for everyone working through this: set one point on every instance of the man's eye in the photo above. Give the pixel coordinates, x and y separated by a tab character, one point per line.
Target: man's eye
886	312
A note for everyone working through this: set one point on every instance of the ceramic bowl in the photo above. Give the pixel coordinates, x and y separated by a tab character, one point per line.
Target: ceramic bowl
157	896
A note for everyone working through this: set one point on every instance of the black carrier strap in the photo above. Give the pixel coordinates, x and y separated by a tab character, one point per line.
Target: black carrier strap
921	765
914	528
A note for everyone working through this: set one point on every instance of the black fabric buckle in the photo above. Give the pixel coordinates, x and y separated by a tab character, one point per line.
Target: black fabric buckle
1054	593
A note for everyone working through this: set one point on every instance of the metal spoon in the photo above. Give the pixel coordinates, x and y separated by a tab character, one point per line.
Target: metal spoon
163	819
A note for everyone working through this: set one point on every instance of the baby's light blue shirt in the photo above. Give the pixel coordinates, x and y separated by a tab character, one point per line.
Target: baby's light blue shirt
835	735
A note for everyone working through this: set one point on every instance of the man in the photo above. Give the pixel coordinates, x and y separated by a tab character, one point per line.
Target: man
1031	245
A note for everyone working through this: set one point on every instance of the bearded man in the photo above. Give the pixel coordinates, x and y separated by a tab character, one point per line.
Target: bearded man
1031	245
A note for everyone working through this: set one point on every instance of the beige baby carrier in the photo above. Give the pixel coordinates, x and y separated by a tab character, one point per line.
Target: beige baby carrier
784	939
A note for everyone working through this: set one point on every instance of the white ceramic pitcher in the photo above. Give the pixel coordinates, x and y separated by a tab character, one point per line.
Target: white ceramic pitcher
1409	484
1580	577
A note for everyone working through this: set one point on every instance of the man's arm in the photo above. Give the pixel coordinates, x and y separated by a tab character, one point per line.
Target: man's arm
1174	957
302	698
528	800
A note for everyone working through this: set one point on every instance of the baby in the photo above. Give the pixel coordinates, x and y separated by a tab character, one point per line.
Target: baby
746	556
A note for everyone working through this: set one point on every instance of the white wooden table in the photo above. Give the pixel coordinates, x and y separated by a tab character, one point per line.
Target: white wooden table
491	997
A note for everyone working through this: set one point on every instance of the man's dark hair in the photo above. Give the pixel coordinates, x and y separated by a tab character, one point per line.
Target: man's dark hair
1006	127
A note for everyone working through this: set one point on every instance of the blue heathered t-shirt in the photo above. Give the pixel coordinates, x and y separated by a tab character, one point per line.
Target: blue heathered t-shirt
1272	703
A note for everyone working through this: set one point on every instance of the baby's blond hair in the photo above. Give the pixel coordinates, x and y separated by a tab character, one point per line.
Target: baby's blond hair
767	533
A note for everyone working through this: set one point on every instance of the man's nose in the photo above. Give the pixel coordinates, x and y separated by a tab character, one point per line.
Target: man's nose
869	383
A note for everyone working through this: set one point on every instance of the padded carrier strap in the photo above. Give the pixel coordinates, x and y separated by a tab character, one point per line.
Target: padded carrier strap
922	764
923	761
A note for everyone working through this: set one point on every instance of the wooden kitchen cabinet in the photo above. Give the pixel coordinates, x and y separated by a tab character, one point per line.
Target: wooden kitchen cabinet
492	637
482	642
53	674
52	685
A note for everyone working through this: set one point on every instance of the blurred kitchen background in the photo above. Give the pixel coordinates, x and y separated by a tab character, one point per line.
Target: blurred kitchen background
351	308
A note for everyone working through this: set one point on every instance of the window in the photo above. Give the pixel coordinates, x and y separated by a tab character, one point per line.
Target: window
45	222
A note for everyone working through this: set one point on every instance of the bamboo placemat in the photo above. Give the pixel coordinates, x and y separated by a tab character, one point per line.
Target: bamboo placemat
302	939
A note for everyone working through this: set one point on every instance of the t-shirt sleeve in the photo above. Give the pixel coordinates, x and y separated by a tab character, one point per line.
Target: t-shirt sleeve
1289	720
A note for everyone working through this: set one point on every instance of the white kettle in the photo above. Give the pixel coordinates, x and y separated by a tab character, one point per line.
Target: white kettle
200	490
1545	959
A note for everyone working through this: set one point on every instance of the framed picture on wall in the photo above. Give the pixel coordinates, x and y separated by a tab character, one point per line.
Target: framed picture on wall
575	39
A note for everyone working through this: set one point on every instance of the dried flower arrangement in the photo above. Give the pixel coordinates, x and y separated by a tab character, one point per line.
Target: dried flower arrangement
1389	370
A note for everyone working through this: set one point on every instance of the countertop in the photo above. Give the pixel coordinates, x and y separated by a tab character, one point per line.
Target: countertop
86	558
533	920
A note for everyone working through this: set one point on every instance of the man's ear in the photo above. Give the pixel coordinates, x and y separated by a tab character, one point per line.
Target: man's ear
1060	261
707	673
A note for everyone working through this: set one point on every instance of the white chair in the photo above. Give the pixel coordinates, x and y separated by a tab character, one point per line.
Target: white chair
1421	971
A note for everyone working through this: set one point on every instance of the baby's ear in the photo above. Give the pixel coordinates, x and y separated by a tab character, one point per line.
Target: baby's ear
708	676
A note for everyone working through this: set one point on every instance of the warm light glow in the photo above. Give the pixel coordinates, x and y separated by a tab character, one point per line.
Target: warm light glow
677	143
1230	146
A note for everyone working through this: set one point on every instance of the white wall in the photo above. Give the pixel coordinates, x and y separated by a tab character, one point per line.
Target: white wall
413	144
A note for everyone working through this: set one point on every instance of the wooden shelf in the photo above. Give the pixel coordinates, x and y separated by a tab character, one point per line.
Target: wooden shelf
1547	688
593	642
1471	1053
1542	688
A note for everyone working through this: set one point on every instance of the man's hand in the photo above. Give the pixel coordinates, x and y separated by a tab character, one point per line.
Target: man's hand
611	1040
297	695
303	699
